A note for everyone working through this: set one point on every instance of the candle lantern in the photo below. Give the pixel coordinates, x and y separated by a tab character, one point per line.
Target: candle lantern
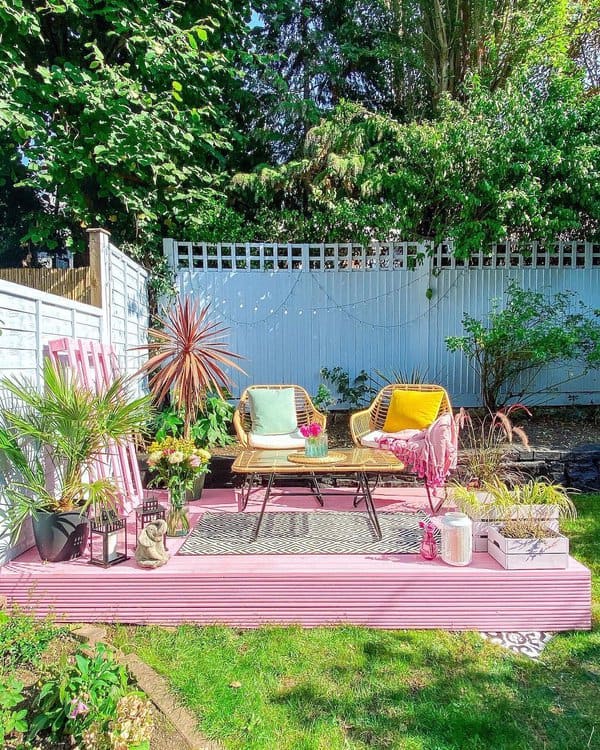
108	539
150	510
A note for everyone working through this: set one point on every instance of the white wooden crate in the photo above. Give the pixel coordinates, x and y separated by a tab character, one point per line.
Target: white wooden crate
480	528
536	554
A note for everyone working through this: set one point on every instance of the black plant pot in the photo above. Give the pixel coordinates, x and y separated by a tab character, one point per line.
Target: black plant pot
60	536
196	492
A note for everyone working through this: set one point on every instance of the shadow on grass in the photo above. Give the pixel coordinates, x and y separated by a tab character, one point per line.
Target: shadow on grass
456	693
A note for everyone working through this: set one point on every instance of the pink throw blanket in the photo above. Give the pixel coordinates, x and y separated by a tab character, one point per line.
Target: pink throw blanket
431	453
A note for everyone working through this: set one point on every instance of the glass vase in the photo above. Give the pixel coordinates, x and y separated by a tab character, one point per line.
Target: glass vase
178	522
316	447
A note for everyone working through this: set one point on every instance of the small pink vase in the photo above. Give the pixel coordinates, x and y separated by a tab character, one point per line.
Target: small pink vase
428	549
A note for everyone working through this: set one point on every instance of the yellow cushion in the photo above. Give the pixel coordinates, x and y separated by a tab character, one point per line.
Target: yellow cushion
412	410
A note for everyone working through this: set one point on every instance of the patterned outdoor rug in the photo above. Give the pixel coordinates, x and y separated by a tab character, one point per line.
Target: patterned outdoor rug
299	533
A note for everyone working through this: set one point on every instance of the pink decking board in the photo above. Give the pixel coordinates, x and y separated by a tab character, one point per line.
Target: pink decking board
385	591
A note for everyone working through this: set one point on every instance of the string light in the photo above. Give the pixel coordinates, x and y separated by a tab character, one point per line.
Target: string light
347	308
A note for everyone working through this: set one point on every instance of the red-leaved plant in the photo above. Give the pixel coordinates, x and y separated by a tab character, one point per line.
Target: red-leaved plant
487	442
187	357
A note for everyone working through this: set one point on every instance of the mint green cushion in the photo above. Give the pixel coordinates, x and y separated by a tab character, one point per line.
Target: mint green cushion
273	411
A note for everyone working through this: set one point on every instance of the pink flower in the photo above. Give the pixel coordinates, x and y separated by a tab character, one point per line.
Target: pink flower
311	430
195	462
78	708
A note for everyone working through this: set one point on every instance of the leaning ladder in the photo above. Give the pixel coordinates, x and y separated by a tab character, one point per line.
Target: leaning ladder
96	365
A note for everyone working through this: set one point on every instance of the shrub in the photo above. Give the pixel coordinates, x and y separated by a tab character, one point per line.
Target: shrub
88	699
355	394
531	332
212	425
23	639
13	720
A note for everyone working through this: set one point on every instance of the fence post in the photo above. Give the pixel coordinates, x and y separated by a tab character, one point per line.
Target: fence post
98	240
100	279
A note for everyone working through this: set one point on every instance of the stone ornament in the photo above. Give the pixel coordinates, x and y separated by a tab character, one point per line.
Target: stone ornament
150	551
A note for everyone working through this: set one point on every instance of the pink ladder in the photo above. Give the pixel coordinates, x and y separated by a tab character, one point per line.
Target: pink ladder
96	366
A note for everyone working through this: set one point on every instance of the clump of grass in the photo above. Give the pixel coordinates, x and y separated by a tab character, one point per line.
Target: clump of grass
527	528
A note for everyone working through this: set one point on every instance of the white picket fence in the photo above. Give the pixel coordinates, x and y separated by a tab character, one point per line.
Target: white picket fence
292	308
30	318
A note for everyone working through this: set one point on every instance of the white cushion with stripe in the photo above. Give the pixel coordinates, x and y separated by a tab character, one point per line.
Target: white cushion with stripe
370	439
291	441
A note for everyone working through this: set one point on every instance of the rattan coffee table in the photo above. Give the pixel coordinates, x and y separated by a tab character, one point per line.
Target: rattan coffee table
360	462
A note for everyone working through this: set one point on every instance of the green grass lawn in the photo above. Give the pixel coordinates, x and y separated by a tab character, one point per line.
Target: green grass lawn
355	688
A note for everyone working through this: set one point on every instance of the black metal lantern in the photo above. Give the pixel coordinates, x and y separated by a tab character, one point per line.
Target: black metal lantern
108	539
150	510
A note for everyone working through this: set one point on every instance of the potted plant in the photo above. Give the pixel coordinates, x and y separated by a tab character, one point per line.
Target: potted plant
177	463
52	437
187	357
522	522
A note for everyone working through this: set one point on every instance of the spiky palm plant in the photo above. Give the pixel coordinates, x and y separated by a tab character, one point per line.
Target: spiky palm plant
52	436
187	357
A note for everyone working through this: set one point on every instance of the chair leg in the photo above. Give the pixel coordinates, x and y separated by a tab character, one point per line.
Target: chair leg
431	497
247	489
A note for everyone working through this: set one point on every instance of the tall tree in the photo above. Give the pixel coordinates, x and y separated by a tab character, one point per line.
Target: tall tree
117	113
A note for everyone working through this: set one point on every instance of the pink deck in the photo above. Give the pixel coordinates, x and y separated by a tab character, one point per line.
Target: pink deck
384	591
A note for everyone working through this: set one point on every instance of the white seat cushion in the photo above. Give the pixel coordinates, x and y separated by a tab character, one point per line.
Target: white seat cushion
370	440
291	441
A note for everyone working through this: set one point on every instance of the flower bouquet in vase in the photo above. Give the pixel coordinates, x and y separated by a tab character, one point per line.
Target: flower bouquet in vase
315	440
176	463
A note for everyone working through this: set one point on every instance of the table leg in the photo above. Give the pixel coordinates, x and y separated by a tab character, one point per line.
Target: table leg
262	510
364	483
315	489
358	498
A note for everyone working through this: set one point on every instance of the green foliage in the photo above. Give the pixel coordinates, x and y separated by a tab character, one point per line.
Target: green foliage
213	424
81	692
355	394
67	426
403	376
11	695
23	639
519	163
114	115
211	428
531	331
323	398
485	443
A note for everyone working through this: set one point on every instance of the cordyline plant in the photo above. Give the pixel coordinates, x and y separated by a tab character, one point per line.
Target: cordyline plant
187	357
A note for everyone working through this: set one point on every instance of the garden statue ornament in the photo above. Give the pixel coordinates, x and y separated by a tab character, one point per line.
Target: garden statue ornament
150	551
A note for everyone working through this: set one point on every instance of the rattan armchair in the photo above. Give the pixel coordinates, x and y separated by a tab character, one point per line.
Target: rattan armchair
373	418
369	420
306	412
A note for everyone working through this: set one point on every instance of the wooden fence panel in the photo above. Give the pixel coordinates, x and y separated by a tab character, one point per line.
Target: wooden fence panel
292	308
71	283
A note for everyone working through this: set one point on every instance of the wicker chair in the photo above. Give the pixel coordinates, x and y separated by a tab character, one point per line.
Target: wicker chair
305	413
369	420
